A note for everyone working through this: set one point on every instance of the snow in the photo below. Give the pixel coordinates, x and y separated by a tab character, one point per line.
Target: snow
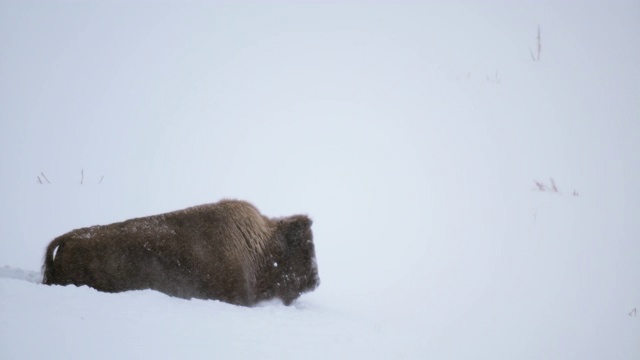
413	134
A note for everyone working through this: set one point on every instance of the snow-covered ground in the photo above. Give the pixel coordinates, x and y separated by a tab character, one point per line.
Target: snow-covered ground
413	134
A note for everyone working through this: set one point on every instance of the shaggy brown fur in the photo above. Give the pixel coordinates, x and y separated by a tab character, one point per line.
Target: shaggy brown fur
226	251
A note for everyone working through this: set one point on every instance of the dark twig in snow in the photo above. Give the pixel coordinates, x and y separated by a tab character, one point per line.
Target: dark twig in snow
539	50
495	80
554	188
45	177
539	44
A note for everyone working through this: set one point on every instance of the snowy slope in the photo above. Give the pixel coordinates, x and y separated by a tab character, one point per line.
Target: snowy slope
413	135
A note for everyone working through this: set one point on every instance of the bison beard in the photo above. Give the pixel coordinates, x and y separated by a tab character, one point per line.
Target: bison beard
226	251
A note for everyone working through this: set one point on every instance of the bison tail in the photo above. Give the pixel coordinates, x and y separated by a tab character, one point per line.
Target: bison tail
48	269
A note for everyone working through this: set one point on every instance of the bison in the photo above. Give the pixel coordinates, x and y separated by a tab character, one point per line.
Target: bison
226	251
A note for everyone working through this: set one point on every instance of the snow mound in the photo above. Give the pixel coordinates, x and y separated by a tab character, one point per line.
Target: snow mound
9	272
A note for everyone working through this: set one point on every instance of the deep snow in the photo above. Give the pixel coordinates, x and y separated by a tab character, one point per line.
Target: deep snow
413	134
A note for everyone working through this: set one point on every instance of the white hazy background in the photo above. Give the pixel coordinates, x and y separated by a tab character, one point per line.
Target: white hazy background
412	133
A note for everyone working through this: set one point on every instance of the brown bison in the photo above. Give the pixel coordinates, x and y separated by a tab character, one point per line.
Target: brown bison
226	251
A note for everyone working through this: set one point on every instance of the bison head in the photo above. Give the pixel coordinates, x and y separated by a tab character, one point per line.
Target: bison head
297	269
